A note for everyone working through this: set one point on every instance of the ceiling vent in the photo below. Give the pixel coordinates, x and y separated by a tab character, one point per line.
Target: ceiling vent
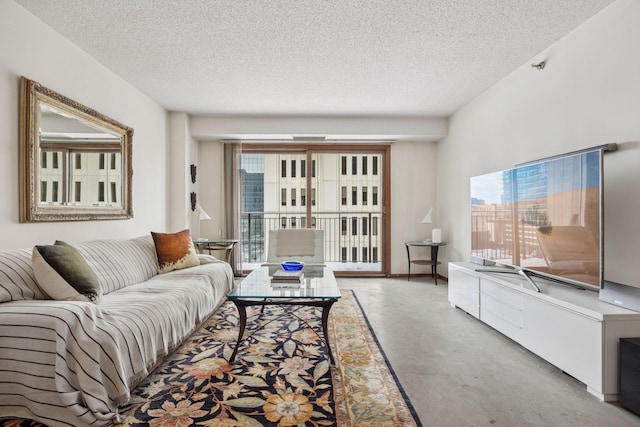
309	138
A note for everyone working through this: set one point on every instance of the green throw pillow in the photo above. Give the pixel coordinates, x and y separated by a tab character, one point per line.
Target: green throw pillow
64	274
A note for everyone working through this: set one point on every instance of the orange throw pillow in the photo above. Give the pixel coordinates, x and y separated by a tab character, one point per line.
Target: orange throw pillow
174	251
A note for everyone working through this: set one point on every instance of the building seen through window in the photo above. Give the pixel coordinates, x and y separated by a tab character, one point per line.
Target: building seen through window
343	200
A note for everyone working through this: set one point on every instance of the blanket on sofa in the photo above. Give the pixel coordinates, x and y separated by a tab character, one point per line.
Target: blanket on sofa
73	363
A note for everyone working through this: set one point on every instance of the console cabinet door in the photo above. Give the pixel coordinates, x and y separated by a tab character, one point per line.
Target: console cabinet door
464	291
501	308
569	340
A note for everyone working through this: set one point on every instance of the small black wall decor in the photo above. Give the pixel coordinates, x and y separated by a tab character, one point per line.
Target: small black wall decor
193	173
193	201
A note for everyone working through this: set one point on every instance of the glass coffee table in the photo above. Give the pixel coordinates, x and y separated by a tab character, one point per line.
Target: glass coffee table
318	289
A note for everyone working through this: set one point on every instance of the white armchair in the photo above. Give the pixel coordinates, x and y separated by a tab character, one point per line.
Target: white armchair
306	245
571	251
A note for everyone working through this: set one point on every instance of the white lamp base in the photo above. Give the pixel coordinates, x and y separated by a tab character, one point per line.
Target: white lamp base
436	235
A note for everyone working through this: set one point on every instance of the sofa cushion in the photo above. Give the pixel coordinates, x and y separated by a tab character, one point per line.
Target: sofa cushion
17	281
175	251
64	274
120	263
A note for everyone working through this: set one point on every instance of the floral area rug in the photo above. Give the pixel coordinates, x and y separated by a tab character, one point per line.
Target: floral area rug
281	376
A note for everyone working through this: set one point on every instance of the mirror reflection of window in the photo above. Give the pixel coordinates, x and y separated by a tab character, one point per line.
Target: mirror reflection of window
77	192
50	178
79	157
105	182
114	193
54	192
43	191
94	171
100	191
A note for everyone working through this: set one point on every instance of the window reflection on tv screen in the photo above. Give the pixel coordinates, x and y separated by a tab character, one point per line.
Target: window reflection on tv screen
545	217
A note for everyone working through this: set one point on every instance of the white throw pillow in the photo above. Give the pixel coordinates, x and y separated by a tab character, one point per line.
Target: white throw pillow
63	274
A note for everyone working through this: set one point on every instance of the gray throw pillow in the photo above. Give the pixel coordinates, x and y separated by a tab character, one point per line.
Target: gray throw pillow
64	274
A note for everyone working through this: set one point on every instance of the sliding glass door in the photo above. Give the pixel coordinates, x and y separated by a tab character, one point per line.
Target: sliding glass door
343	192
347	203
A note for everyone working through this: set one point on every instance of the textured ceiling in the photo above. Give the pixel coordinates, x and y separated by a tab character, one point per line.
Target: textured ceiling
313	57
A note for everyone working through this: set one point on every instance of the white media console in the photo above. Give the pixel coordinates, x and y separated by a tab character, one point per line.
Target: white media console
570	328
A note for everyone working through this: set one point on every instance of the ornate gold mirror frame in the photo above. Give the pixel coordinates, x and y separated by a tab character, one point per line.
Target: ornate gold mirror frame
75	163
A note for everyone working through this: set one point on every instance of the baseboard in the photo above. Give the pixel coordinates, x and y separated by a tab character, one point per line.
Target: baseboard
405	275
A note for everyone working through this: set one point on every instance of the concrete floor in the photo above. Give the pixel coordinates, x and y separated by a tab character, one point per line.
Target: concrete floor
457	371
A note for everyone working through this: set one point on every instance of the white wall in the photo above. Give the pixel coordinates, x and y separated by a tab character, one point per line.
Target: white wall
334	127
30	48
413	165
211	189
588	95
182	154
413	192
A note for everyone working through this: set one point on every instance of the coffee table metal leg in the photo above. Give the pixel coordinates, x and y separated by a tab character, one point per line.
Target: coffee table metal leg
409	261
325	323
242	313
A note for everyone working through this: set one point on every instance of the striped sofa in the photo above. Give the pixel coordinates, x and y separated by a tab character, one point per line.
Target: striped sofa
67	363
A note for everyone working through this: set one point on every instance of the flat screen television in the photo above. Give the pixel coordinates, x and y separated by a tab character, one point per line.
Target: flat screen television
543	218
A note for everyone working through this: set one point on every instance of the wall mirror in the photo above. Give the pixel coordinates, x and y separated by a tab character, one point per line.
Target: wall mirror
75	163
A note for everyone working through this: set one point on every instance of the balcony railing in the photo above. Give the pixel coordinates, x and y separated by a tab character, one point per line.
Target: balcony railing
492	235
353	237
